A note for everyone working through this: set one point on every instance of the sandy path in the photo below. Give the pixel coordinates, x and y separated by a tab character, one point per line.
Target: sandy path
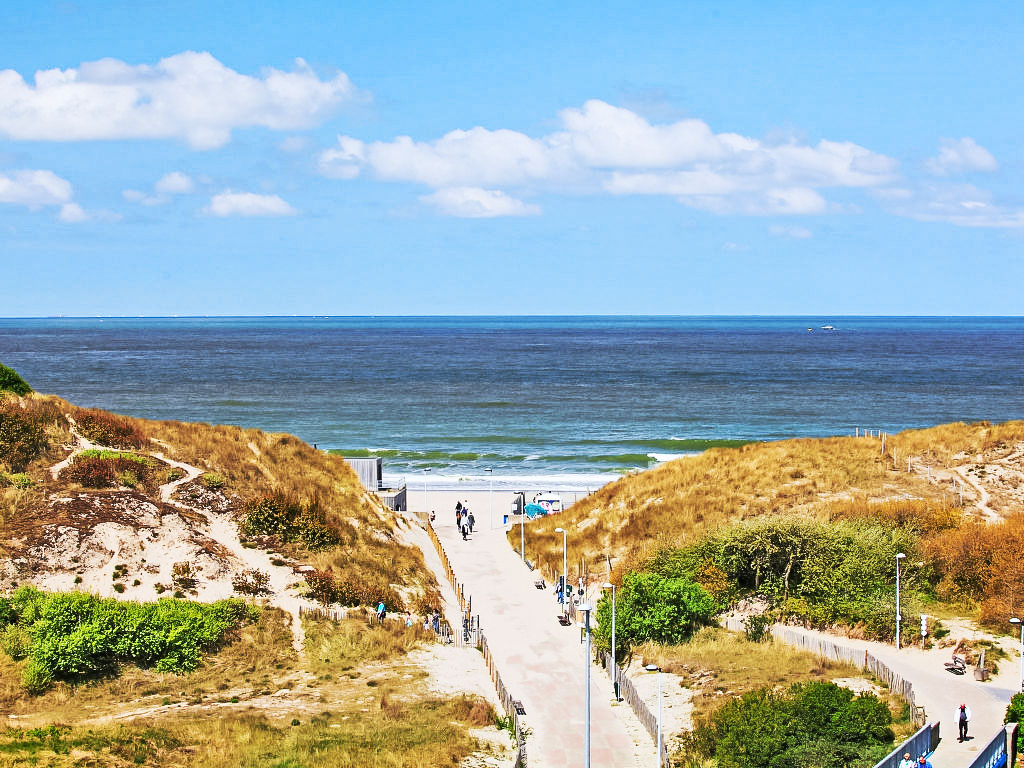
81	444
221	528
541	662
941	692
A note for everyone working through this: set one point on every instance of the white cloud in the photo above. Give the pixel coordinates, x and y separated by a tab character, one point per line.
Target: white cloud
476	203
174	183
790	232
72	213
189	96
963	205
601	147
34	188
294	144
960	155
230	203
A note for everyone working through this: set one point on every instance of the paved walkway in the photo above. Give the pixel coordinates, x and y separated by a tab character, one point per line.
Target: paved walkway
941	694
541	662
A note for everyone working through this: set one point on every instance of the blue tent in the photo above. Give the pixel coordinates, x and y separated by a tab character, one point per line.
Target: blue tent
534	510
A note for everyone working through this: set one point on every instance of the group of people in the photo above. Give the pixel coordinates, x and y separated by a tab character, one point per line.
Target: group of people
921	762
464	519
431	620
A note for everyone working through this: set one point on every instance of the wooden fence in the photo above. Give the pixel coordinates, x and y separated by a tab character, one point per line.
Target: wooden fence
631	696
472	633
861	659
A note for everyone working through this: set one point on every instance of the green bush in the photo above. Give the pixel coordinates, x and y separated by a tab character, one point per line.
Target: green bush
212	480
105	469
75	634
15	642
821	573
10	381
653	607
812	725
289	519
19	480
22	435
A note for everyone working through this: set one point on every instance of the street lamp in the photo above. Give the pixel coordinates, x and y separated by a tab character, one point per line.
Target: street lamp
586	608
565	570
522	533
490	493
1015	620
899	556
426	506
615	666
656	668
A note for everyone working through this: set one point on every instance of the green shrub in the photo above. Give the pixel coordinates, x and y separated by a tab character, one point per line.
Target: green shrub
212	480
106	469
10	381
756	627
251	582
289	519
15	642
19	480
652	607
127	478
173	474
812	724
119	588
75	634
822	573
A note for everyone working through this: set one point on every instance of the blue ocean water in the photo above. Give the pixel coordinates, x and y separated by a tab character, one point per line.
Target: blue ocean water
531	395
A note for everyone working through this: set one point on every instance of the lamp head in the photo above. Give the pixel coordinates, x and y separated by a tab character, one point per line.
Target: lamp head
585	607
1015	620
607	585
900	555
653	668
559	530
487	469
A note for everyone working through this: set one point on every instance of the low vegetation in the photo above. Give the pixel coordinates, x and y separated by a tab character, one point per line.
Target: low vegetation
811	724
11	382
69	636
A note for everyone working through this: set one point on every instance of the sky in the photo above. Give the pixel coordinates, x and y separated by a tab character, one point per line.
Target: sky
341	158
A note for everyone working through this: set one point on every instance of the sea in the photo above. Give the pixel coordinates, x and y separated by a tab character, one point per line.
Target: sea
582	399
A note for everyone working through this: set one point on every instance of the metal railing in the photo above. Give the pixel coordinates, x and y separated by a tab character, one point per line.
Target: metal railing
1000	751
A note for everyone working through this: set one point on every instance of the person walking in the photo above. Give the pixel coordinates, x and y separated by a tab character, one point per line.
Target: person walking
382	611
907	762
963	717
471	520
922	762
465	529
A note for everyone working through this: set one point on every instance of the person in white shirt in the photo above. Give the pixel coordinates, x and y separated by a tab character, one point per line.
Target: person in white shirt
907	762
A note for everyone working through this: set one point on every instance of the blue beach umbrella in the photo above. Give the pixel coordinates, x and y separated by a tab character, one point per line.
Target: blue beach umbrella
534	510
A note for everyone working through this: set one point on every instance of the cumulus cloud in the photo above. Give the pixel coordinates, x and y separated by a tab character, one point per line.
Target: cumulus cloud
601	147
959	156
34	188
189	96
174	183
476	203
168	185
790	232
230	203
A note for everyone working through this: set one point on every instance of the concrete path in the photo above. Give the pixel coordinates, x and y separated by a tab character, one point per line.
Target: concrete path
541	662
941	693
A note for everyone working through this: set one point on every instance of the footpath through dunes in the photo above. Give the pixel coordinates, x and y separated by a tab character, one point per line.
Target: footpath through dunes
541	662
937	690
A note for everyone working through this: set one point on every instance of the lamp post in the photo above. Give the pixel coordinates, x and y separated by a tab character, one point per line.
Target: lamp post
426	505
899	618
490	493
656	668
1015	620
565	570
522	533
586	608
615	666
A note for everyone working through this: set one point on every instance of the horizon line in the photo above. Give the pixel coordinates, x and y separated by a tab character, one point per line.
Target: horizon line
319	316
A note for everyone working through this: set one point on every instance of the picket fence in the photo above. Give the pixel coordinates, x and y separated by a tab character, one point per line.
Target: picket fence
859	658
472	634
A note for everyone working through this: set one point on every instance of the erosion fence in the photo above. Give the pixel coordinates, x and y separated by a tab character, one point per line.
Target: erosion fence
472	634
629	694
857	657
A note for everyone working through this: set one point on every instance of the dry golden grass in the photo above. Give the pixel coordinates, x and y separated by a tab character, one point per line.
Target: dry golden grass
737	666
825	479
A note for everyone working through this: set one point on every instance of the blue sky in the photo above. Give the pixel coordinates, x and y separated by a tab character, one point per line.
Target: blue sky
596	158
